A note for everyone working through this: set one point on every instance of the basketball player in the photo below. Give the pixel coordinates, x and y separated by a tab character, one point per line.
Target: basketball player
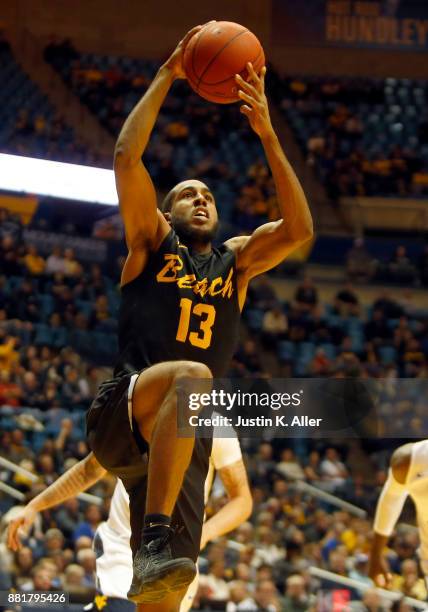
408	475
111	541
179	317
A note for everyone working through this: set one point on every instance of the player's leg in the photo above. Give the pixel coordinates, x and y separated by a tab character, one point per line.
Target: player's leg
171	603
154	408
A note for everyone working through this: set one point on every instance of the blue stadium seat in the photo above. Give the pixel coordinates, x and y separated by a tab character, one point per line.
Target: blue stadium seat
59	337
387	354
286	350
43	336
329	350
254	318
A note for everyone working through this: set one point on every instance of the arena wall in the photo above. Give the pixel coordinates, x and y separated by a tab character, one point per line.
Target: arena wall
150	28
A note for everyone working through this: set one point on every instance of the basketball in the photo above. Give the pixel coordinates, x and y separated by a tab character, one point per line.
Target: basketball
216	54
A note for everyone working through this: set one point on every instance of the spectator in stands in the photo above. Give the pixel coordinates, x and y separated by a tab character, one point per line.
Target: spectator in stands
10	391
262	294
333	471
390	308
73	391
313	468
266	597
306	295
10	225
371	602
31	391
23	565
249	355
240	598
53	540
55	262
41	580
346	302
400	268
214	582
72	267
74	584
359	263
88	527
360	570
46	469
289	466
320	364
423	266
409	582
268	550
9	257
274	326
377	330
101	313
68	516
18	449
264	463
296	597
86	558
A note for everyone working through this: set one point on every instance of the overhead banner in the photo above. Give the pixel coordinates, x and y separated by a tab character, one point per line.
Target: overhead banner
374	24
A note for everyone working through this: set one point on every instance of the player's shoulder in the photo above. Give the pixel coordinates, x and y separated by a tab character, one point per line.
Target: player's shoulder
236	243
400	462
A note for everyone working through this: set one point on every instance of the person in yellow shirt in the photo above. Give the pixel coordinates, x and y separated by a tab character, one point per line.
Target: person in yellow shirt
34	262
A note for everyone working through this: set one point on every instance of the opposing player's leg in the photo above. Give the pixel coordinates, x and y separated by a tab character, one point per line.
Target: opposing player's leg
171	603
154	408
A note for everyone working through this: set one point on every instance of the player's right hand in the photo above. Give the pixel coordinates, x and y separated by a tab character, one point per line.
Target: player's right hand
175	61
379	574
20	526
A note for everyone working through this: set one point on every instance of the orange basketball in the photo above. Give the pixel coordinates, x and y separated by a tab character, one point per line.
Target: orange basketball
215	54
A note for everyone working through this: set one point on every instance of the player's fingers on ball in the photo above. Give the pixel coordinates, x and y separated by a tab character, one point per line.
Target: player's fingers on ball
246	97
246	85
246	110
191	33
253	74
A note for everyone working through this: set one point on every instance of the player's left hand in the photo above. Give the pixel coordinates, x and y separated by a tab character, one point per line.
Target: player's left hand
253	93
20	526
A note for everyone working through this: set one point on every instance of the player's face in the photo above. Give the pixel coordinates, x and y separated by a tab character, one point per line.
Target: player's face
194	213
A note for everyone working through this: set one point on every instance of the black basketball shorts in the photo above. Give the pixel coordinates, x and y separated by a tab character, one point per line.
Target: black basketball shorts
116	442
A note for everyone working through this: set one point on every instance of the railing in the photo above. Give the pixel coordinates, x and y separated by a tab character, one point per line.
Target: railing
390	596
9	465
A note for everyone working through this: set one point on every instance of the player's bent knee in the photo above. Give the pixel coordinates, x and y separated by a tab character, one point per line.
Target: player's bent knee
193	369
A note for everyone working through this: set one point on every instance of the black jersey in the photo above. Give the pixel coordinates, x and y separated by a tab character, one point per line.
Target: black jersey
181	306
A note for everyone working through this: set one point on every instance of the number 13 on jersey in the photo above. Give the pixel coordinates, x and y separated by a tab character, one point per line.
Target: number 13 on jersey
206	314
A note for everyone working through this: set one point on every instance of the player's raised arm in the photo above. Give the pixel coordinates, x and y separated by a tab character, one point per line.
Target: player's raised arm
75	480
272	242
137	196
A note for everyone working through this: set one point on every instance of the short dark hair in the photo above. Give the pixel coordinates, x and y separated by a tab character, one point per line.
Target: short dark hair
168	201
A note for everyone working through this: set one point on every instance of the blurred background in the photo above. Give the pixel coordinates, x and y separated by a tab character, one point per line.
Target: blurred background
347	86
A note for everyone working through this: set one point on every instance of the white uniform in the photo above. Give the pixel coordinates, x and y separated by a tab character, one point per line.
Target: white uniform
394	494
114	566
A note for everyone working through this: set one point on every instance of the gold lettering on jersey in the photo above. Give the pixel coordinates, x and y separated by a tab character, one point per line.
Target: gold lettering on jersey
169	274
173	265
187	281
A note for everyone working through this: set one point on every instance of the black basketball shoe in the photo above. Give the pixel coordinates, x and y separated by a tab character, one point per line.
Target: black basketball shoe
157	573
